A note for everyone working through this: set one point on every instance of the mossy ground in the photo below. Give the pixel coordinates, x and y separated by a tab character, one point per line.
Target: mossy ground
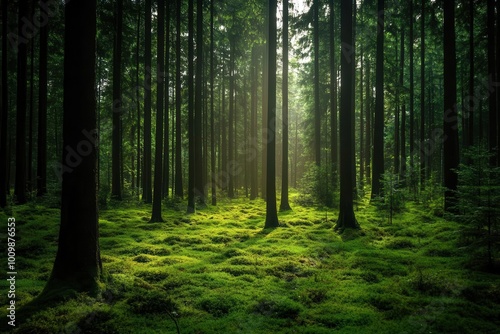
218	271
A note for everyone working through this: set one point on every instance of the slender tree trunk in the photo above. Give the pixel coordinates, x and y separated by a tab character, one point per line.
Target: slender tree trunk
422	97
42	112
284	205
178	102
378	135
346	215
471	106
230	128
146	184
361	123
333	97
166	146
31	112
22	58
137	95
116	189
411	102
492	99
191	135
317	110
496	80
254	188
4	181
403	108
265	97
271	213
368	132
450	145
198	154
160	77
78	265
212	96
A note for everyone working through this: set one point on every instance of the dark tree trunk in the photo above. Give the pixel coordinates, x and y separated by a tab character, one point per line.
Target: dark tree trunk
160	68
146	184
496	80
333	97
412	97
254	188
378	126
271	213
166	146
422	97
178	101
361	123
230	128
212	116
191	135
317	111
30	115
492	99
199	186
471	105
450	145
346	215
403	108
368	118
284	205
265	97
22	58
138	104
4	183
78	265
42	113
116	186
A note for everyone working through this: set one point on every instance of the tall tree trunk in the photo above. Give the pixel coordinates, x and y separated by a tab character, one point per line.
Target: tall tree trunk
271	213
198	154
30	115
422	96
492	99
403	107
368	132
346	215
471	106
22	58
411	102
230	128
378	131
4	183
450	145
333	97
265	97
116	187
254	189
41	171
178	102
78	265
496	80
146	184
284	205
212	116
137	94
361	123
166	146
160	77
191	135
317	110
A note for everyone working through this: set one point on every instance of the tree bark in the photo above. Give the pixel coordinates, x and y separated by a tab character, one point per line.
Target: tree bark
4	184
333	98
116	147
317	111
78	265
146	184
42	113
212	116
198	106
191	135
346	215
271	213
178	102
422	97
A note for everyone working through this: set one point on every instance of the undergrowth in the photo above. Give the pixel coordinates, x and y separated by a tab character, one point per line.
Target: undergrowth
217	271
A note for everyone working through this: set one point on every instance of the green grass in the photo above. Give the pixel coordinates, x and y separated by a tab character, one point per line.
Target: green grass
218	271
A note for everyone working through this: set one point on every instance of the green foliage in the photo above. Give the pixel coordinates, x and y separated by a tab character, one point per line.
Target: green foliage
478	198
316	187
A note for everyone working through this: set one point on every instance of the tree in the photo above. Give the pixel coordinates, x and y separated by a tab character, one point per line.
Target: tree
333	96
422	96
378	131
450	145
230	128
160	68
116	183
412	97
212	116
78	265
191	135
284	163
492	99
4	188
198	154
166	143
42	112
271	213
317	111
346	215
254	189
178	103
22	58
146	170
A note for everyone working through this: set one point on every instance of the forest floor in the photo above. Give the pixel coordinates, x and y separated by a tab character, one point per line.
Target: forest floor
218	271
